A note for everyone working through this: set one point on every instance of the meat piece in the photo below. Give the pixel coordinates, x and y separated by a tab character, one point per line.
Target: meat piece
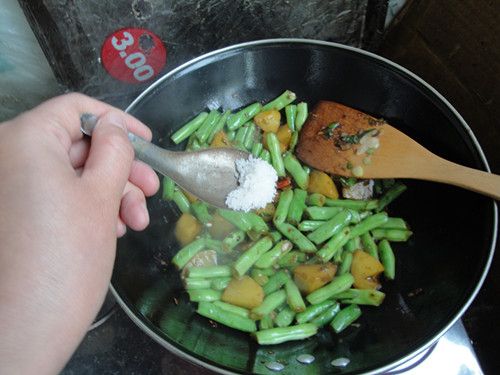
360	190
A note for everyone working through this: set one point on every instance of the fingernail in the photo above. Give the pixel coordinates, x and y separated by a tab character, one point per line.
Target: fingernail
116	120
145	212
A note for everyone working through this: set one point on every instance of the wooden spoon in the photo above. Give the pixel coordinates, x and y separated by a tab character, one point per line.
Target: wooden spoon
335	138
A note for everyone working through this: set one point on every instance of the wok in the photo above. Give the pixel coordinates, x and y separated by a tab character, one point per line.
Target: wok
439	271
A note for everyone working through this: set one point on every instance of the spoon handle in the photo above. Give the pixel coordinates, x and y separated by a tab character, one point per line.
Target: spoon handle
159	159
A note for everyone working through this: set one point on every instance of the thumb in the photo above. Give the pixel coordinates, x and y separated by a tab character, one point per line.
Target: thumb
110	157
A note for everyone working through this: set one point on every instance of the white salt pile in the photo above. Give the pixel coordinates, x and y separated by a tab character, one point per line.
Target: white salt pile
256	185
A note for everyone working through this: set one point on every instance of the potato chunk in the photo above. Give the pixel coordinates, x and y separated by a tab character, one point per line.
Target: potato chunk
310	277
220	227
365	270
320	182
243	292
268	121
186	229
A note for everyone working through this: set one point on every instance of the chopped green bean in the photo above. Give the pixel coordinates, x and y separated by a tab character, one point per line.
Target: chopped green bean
259	276
294	168
250	136
310	225
168	188
272	256
345	317
281	212
394	223
187	252
387	259
334	245
218	126
395	191
367	224
275	235
258	224
181	201
352	204
322	213
265	155
266	322
204	295
241	311
326	316
231	134
257	149
297	206
291	112
232	240
294	235
282	334
209	272
239	118
236	218
393	235
274	149
281	101
249	257
316	199
369	245
293	297
313	311
193	143
215	313
293	141
200	210
345	265
239	139
330	227
189	128
352	245
301	116
220	283
292	259
275	282
369	297
271	302
203	132
336	286
192	283
285	317
212	244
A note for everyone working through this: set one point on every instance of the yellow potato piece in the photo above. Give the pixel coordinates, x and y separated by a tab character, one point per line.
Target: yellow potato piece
310	277
284	135
186	229
220	140
268	121
320	182
243	292
220	227
283	147
365	270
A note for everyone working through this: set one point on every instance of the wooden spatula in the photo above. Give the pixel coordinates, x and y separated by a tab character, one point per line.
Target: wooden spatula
346	142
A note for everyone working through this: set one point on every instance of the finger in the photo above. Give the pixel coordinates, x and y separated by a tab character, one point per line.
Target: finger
121	228
110	157
79	152
133	210
142	176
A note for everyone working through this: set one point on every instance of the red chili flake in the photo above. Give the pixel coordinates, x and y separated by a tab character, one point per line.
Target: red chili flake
284	182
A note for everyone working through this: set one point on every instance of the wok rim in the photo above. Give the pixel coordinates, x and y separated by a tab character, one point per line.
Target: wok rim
277	41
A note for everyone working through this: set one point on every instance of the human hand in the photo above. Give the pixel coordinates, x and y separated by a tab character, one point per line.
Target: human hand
63	202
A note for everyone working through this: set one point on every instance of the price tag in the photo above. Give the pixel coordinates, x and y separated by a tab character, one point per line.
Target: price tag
133	55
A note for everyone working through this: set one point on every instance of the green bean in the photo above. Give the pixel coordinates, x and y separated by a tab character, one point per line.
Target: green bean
322	213
330	227
310	225
293	141
271	257
294	235
236	218
313	311
393	235
336	286
345	265
352	245
249	257
239	139
193	143
203	132
266	322
232	240
387	259
231	134
265	155
168	188
394	223
282	334
291	112
297	206
301	117
271	301
181	201
367	224
294	168
187	252
345	317
209	272
395	191
316	199
254	235
192	283
274	149
189	128
285	317
215	313
250	136
293	297
239	118
275	235
281	101
200	210
326	317
218	126
220	283
257	149
212	244
241	311
258	224
369	245
204	295
334	245
358	205
292	259
259	276
281	212
369	297
275	282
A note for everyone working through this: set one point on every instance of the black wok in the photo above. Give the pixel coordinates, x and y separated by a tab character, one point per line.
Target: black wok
439	271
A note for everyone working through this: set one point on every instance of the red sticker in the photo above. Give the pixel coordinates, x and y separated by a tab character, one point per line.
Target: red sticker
133	55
